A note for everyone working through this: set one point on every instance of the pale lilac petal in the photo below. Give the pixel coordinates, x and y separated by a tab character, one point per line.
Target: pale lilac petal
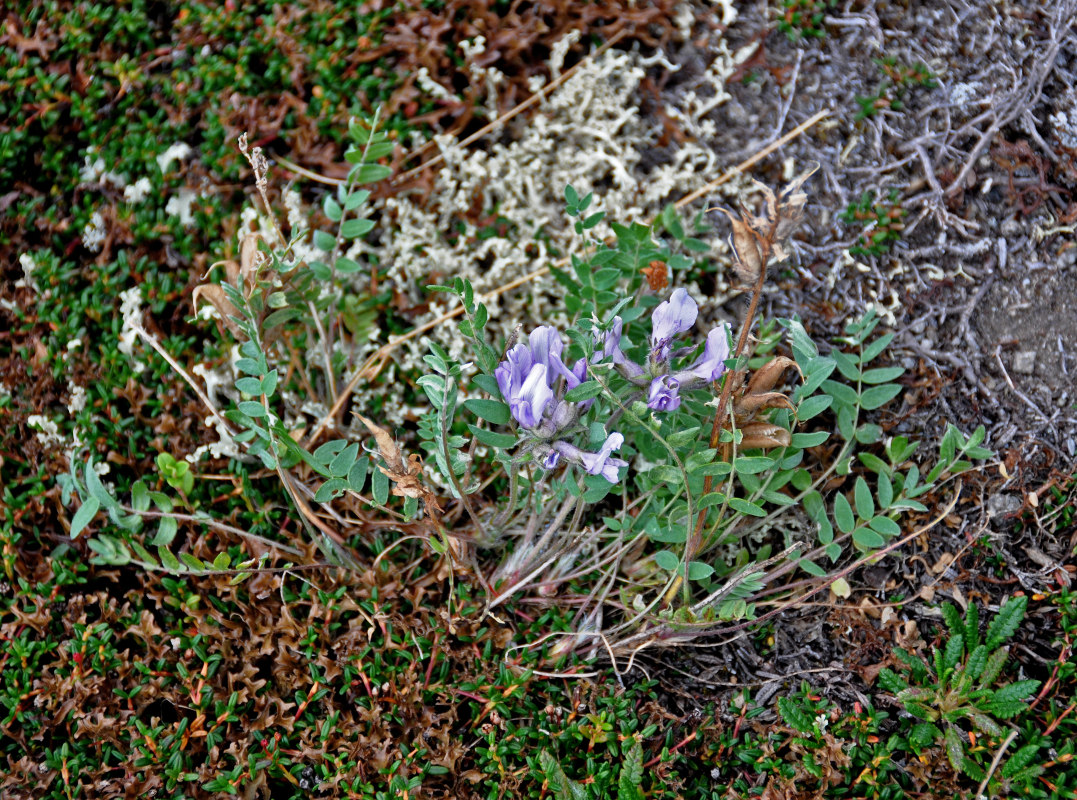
601	463
674	316
711	364
664	394
528	405
512	372
546	347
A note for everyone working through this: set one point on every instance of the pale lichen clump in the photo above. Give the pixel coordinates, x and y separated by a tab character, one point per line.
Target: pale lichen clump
590	133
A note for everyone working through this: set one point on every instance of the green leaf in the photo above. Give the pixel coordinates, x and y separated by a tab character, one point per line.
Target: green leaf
843	514
144	555
1019	760
869	433
166	532
357	474
873	350
667	560
951	655
955	748
631	776
865	503
324	241
269	383
882	375
379	485
884	525
356	199
847	365
342	463
884	490
354	228
746	507
82	517
753	465
806	440
794	716
813	407
252	408
952	617
972	626
977	661
868	539
493	411
347	266
1016	692
840	392
332	208
891	681
192	562
1006	622
878	396
811	568
371	173
251	386
222	561
97	490
562	787
330	489
169	561
585	391
491	439
665	473
686	436
698	571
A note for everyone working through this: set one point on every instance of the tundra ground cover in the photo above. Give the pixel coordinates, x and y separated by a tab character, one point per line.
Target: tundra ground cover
382	676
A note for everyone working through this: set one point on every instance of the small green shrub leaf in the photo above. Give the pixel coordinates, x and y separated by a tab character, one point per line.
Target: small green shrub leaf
82	517
493	411
1006	622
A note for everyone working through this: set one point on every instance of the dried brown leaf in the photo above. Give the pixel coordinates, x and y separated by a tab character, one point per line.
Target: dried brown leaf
386	447
764	435
747	256
756	402
216	296
767	376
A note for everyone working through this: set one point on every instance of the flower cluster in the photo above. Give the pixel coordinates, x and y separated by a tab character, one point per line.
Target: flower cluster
533	379
671	318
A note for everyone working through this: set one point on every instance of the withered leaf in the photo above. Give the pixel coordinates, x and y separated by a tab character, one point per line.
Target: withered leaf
764	435
763	400
747	258
386	446
766	377
216	296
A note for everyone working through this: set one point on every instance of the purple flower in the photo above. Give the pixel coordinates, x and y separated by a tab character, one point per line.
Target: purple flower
674	316
528	404
600	463
546	347
551	460
711	364
664	394
611	349
513	371
527	377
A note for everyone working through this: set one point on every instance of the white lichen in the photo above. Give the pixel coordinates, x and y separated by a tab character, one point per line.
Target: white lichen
175	152
137	191
93	235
